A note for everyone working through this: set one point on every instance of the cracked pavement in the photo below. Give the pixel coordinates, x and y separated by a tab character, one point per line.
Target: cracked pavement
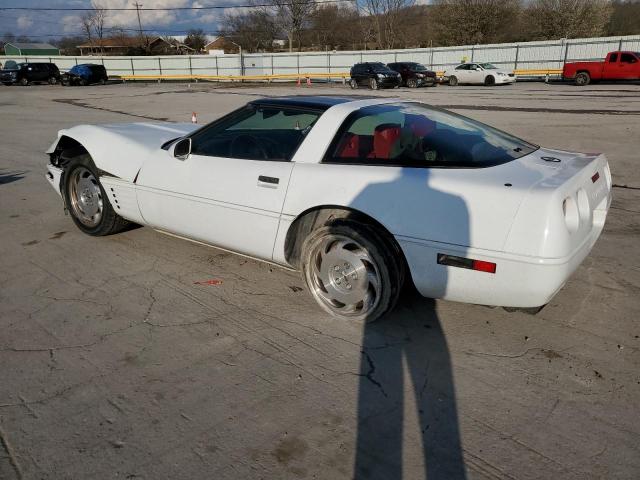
122	358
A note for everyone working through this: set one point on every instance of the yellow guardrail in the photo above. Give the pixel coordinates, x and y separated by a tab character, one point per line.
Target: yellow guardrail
296	76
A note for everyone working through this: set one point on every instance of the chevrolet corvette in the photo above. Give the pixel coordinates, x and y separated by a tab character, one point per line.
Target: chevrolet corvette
362	195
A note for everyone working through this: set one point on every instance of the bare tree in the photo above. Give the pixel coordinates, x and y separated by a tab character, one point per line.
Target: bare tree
292	16
93	24
196	39
254	30
331	27
549	19
386	16
468	22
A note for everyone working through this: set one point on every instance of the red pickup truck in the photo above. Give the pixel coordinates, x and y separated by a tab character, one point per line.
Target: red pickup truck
617	66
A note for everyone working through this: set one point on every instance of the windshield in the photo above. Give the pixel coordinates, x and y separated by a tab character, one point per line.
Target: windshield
488	66
417	67
380	68
418	135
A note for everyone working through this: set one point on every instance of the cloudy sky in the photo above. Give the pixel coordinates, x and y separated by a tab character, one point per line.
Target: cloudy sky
40	25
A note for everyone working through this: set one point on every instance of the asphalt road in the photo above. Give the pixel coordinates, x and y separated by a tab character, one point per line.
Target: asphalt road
119	359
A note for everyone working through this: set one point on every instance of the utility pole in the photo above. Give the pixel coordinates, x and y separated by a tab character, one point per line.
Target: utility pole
138	7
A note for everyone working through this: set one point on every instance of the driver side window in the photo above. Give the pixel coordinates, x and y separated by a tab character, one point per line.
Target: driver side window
256	133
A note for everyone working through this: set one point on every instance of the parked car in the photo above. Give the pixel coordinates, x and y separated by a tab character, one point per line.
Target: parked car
616	66
479	74
85	74
26	73
357	194
374	75
414	74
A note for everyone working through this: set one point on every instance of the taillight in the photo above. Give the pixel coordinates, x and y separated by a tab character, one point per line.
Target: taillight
571	214
468	263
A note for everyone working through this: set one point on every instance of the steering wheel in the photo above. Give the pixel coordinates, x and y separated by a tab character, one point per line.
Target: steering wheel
245	143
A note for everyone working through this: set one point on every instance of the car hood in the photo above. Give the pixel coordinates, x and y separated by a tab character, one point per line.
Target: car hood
121	149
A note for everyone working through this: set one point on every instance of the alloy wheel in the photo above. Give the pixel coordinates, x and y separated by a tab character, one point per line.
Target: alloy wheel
85	197
344	277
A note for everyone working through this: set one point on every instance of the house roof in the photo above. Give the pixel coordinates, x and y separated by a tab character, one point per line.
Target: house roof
32	46
113	42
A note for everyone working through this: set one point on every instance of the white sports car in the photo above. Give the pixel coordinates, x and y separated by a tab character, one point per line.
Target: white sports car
479	74
360	194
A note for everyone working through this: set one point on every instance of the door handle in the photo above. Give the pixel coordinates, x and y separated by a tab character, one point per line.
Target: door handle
269	182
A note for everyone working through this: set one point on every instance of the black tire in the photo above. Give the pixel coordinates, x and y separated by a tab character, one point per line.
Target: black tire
53	80
379	259
490	81
83	82
412	83
353	83
24	82
66	83
582	79
103	82
373	84
8	84
453	81
110	222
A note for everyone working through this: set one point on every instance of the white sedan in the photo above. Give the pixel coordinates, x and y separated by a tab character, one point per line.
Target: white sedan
479	74
361	195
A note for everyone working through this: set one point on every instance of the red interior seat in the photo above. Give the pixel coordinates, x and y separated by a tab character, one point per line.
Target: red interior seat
350	146
384	138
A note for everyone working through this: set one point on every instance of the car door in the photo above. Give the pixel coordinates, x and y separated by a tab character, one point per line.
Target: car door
229	191
476	74
462	73
627	66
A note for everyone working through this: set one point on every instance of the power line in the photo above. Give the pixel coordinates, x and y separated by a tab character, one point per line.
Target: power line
165	9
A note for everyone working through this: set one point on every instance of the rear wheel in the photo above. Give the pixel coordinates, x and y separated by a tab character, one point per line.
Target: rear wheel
412	83
373	84
582	79
53	80
83	82
352	271
490	81
453	81
353	83
87	201
103	82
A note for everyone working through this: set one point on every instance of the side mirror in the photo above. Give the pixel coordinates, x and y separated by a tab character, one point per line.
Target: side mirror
182	149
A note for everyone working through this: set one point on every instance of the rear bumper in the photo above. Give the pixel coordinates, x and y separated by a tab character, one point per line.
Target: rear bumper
519	281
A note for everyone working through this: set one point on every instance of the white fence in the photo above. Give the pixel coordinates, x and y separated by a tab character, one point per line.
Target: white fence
517	56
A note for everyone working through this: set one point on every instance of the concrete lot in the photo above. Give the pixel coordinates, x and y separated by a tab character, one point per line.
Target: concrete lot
115	363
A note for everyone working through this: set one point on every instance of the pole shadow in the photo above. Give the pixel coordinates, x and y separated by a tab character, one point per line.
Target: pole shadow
409	345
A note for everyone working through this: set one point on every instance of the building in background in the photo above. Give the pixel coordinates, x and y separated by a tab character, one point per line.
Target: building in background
17	48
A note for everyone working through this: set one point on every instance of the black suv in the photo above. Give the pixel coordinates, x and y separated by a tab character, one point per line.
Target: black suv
85	74
414	74
26	73
374	75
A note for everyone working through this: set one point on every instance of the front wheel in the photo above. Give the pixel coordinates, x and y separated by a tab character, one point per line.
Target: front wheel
24	82
582	79
453	81
490	81
352	271
87	201
373	84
